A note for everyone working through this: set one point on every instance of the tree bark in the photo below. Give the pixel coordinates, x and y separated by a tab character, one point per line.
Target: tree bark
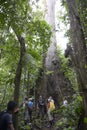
79	51
50	19
18	76
56	84
50	80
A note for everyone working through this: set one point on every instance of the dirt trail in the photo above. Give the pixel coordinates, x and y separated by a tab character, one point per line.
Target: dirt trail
45	124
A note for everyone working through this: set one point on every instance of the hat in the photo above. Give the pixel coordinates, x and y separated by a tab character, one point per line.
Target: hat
49	99
30	99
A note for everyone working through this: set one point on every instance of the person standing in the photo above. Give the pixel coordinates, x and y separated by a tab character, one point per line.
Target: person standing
25	106
50	109
30	108
65	102
51	99
6	122
41	107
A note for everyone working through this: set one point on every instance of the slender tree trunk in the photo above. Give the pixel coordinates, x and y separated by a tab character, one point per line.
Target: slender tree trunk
79	49
18	76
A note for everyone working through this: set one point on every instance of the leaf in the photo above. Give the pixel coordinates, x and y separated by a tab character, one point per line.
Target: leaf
49	72
85	120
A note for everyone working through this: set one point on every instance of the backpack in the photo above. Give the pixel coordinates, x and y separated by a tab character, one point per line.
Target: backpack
30	104
1	114
52	106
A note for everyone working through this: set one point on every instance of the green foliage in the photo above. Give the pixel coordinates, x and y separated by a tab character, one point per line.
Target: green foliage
70	114
18	18
49	72
68	70
24	127
85	120
82	8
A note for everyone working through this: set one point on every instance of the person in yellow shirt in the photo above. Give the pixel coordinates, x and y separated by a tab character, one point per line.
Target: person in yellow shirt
50	108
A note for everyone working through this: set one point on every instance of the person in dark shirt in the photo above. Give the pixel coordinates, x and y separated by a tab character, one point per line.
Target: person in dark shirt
6	122
41	107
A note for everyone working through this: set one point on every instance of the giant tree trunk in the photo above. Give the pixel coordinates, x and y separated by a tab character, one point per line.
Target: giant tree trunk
50	18
79	50
51	57
18	76
56	84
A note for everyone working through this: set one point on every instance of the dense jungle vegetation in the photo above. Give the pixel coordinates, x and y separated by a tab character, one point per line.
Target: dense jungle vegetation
25	69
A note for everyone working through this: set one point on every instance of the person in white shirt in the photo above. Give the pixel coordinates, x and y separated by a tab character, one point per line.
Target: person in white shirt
65	102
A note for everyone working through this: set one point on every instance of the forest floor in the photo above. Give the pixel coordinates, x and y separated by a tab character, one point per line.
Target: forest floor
43	124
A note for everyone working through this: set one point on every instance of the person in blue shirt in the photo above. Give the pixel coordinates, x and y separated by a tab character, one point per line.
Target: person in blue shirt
6	122
30	108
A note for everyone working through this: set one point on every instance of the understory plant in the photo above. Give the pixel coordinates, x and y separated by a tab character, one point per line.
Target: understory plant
70	114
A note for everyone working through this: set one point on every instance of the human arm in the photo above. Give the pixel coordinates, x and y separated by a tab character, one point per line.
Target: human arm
9	122
11	127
